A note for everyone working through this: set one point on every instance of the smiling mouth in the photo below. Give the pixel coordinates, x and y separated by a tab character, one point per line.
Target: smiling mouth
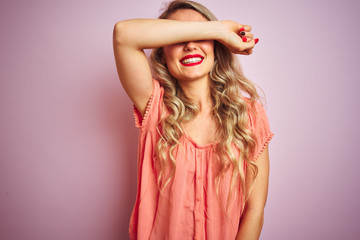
191	60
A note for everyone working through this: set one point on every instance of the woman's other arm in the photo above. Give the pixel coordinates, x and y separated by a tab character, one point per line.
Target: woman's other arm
253	216
131	37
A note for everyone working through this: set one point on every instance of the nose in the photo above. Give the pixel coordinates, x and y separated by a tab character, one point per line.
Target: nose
189	46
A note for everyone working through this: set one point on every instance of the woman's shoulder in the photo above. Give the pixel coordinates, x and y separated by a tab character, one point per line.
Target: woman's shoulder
256	112
254	105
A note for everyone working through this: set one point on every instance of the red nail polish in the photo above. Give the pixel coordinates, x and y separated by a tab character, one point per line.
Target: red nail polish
256	40
244	39
241	29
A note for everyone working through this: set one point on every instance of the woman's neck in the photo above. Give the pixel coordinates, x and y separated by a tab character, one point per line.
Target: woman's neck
199	92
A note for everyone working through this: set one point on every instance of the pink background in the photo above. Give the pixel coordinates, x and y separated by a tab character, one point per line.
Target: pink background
68	141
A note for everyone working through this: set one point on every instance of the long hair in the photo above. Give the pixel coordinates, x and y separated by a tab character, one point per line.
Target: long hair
230	112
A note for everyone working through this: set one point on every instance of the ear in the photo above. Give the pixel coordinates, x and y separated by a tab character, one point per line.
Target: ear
163	59
162	56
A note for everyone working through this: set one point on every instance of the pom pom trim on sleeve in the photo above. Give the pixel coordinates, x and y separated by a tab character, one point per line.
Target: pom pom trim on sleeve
141	120
266	143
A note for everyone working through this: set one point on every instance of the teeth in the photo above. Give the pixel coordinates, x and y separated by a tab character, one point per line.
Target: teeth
191	60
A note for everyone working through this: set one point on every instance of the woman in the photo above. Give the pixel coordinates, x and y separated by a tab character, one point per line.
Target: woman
203	157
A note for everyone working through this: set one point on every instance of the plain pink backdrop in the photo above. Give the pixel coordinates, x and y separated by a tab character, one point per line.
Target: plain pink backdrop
67	136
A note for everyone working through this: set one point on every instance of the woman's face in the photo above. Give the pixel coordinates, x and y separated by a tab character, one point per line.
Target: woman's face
189	60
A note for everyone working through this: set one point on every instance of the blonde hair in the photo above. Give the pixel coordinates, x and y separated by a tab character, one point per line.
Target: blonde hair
230	111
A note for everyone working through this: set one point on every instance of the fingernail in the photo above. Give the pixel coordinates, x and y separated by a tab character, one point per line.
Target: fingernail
256	40
244	39
242	29
242	33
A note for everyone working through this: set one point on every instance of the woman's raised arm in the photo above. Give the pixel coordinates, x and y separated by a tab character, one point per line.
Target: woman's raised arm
131	37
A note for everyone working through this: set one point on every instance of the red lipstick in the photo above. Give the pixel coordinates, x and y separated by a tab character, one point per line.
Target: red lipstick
191	63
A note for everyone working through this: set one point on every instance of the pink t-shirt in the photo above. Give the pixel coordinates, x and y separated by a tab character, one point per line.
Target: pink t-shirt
188	207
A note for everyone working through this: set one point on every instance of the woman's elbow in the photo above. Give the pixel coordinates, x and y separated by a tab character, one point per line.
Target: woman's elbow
121	33
256	215
261	223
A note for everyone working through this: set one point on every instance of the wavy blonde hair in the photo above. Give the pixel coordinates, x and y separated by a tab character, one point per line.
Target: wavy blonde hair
227	86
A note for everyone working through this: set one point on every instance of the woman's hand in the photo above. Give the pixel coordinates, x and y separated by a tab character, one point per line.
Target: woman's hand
238	38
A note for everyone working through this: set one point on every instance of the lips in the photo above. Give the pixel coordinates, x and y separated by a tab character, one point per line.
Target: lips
191	60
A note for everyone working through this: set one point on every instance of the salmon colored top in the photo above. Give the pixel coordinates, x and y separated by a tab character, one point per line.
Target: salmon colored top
188	207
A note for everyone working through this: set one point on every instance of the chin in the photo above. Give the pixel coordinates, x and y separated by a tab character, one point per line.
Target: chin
192	77
190	74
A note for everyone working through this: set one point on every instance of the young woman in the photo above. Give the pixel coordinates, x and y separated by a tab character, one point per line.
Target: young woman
203	159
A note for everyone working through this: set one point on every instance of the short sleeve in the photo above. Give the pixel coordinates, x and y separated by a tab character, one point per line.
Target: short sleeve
153	108
259	124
